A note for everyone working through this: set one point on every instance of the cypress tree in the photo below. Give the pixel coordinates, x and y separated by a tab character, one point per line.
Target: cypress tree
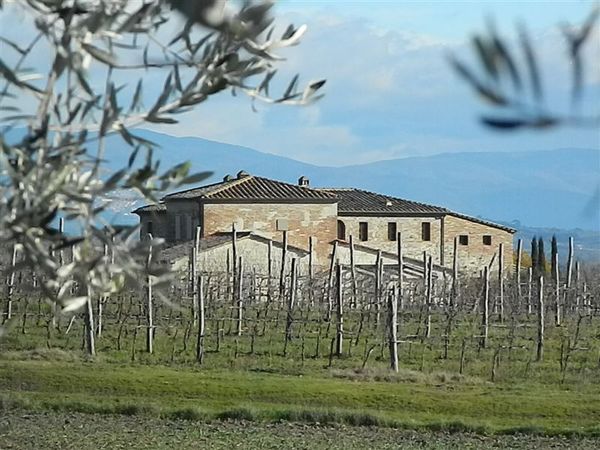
541	257
534	256
554	253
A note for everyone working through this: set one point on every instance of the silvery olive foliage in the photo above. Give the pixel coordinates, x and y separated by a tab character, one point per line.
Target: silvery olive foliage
56	169
510	79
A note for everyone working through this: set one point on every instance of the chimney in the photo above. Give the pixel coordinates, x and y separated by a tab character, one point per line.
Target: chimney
303	181
242	174
227	178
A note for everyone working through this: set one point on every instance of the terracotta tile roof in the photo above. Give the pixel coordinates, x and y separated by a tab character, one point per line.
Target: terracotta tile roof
254	188
357	201
160	207
483	222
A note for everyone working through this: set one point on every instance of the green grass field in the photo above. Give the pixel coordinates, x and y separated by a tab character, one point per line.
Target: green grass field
448	393
207	394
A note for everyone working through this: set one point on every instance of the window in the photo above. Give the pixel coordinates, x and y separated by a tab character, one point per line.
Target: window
487	240
426	231
363	231
341	230
392	231
463	239
149	227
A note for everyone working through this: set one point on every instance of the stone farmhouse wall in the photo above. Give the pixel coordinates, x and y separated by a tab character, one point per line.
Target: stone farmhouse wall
475	255
302	222
471	256
160	224
410	227
319	220
177	223
254	252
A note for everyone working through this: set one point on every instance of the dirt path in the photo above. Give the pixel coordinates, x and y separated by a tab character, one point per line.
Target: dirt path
53	430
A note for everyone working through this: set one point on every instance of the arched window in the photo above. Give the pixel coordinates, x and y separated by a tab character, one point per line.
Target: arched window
341	230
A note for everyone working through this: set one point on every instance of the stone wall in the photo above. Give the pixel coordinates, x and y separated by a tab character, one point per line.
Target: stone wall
320	221
472	257
160	224
410	227
303	221
255	254
183	218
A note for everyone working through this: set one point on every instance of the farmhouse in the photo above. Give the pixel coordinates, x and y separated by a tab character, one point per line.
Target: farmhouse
317	220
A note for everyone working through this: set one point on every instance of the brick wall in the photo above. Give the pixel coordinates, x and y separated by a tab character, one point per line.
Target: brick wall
303	221
472	257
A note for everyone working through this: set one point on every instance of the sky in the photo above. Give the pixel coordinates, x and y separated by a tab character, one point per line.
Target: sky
390	91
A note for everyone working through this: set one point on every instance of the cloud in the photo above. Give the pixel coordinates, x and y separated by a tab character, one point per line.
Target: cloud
390	94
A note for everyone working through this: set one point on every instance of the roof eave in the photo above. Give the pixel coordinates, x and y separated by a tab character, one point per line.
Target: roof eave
436	214
271	201
483	222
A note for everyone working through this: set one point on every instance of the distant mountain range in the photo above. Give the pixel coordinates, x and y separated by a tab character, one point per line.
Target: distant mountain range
537	192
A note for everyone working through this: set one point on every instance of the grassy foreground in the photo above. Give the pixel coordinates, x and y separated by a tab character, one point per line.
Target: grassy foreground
422	404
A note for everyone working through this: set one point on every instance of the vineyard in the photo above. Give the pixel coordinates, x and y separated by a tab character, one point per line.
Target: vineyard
498	326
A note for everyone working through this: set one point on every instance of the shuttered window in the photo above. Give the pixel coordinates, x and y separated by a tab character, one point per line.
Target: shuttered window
341	230
392	231
426	231
363	231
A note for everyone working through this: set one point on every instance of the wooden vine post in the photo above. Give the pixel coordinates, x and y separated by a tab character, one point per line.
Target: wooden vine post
393	328
353	273
429	294
557	305
518	270
194	282
540	311
234	260
269	272
101	301
90	343
454	296
10	288
240	308
201	322
330	280
378	285
570	262
290	305
284	249
501	281
485	313
339	349
400	295
529	290
570	272
149	305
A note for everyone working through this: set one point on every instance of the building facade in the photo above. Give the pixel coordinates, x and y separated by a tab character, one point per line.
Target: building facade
272	209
